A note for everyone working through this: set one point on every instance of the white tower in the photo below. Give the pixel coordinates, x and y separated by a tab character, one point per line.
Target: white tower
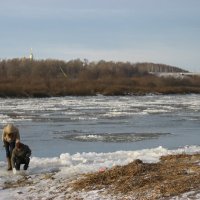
31	55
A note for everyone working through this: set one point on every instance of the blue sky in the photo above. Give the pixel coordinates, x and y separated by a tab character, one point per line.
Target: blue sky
159	31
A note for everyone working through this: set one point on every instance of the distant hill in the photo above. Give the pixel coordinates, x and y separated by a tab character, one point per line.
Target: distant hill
152	67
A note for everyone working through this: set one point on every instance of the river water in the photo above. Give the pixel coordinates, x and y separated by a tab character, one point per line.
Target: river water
51	126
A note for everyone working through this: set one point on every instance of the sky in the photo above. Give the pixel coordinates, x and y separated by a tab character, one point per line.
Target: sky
159	31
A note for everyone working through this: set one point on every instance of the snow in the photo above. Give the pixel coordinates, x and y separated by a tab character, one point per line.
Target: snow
48	177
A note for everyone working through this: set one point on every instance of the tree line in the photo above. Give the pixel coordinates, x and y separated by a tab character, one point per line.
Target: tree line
43	78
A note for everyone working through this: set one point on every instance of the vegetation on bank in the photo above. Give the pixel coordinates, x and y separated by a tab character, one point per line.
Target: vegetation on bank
44	78
172	176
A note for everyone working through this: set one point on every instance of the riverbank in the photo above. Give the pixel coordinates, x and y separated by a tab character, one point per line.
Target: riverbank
123	87
173	177
54	78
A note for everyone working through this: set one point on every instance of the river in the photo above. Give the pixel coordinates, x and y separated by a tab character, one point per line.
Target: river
51	126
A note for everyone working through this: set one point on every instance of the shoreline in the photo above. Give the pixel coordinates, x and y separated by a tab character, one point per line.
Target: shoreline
174	176
46	95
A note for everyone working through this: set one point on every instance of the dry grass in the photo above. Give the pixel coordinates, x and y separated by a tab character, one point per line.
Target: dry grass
22	182
173	175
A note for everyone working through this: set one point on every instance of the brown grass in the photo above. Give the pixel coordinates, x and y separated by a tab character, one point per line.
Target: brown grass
173	175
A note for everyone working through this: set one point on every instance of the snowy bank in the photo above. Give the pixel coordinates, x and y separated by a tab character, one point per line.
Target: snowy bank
50	178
